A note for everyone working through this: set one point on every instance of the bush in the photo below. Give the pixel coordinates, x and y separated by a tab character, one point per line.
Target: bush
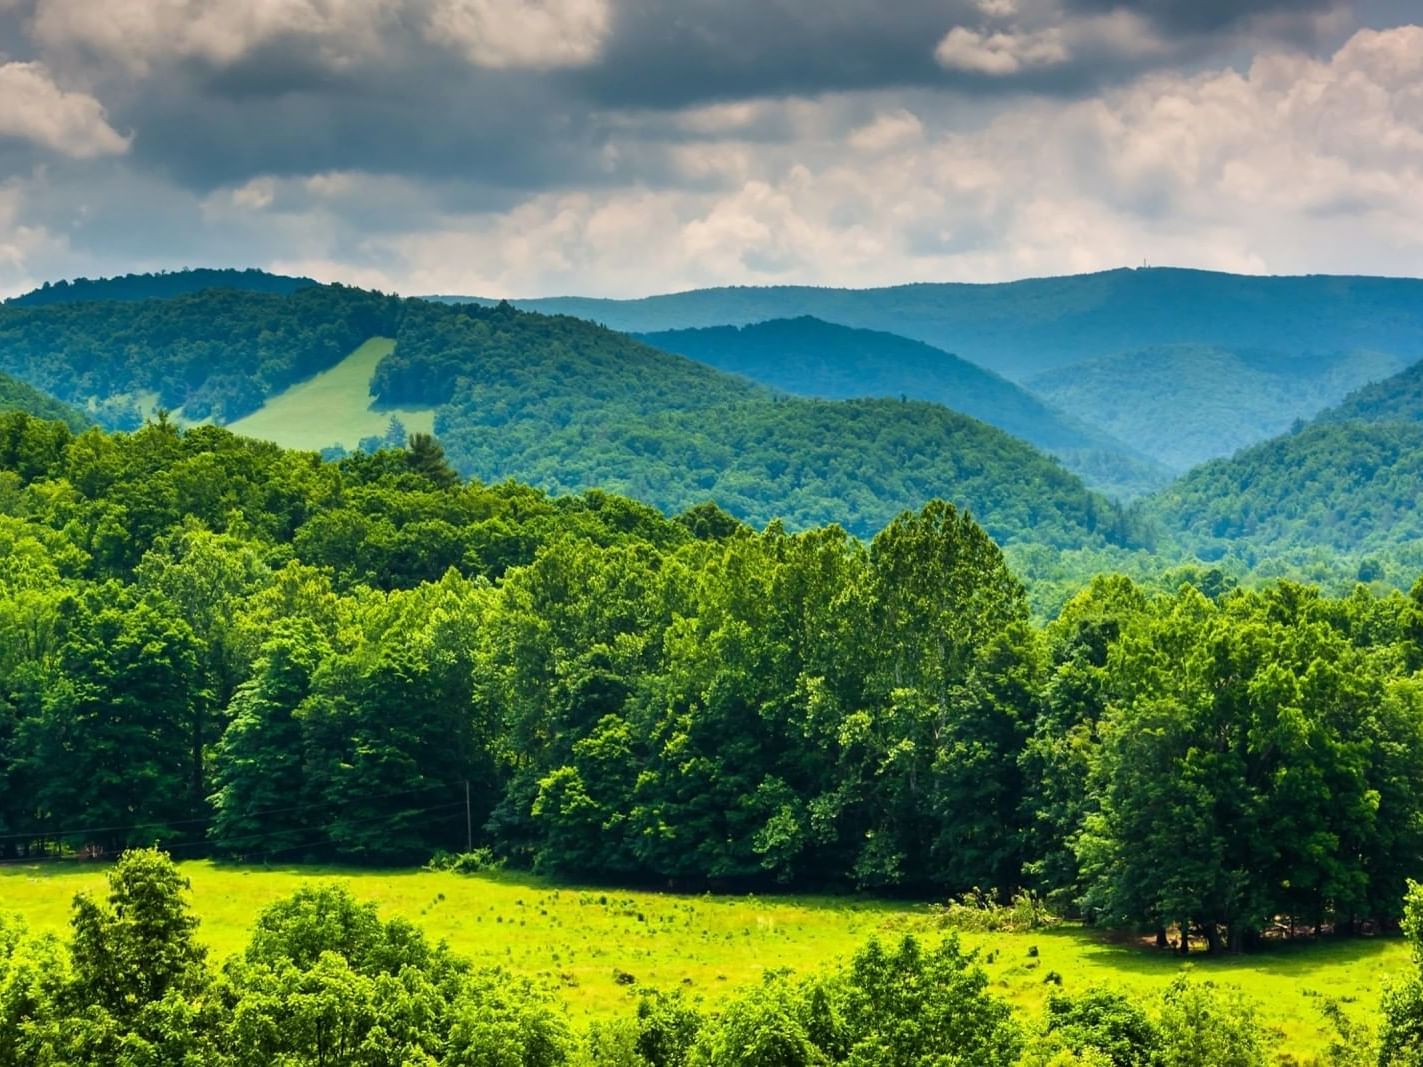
480	861
977	912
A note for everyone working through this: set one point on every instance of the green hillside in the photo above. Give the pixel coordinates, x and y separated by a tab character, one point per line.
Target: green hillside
216	354
335	407
161	285
1396	399
15	395
1026	327
1346	487
1185	404
552	400
568	405
811	357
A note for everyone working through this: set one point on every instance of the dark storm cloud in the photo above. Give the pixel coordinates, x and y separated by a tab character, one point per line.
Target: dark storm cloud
418	109
495	129
668	53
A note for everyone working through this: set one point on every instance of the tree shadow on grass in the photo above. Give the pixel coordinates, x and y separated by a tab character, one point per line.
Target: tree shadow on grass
1299	958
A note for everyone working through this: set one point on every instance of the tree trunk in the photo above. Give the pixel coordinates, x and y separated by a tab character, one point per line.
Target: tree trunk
1212	932
1161	941
1237	939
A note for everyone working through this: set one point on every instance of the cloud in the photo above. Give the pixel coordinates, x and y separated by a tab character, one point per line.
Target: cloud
33	108
1214	16
893	129
539	34
138	34
1000	53
622	146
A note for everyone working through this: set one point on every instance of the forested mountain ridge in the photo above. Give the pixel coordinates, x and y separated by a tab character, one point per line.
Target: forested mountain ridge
1023	328
160	286
1346	487
1395	399
569	405
214	354
559	402
15	395
815	358
810	357
1186	404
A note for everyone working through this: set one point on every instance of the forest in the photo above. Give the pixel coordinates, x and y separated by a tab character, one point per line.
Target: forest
217	645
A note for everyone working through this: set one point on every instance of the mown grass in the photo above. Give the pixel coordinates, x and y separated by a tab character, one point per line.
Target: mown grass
579	939
333	408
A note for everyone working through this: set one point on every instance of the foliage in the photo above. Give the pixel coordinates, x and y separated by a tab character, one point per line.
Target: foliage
159	286
1346	487
215	354
809	357
975	910
17	396
225	647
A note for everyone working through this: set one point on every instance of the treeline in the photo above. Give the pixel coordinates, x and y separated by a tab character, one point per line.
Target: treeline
325	981
161	285
229	648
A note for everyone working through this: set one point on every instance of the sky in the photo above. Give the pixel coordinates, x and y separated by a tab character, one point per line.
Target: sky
625	147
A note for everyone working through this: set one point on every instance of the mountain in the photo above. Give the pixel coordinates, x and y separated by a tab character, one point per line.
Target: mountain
1396	399
1185	404
1345	487
215	354
811	357
569	405
163	285
557	401
1023	328
15	395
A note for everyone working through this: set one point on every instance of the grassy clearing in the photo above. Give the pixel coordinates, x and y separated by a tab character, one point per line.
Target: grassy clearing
333	408
576	938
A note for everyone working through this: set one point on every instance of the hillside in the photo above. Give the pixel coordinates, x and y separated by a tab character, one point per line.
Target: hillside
1185	404
163	285
810	357
1396	399
1347	487
1026	327
568	405
334	408
15	395
556	401
216	354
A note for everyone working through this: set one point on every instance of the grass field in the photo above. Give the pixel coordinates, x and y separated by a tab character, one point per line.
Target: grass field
576	938
333	408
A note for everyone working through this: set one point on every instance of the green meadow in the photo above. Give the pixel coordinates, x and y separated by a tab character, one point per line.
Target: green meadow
333	408
597	944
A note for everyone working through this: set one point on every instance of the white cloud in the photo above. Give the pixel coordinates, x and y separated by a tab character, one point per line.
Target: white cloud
138	33
540	34
1003	53
33	108
1296	164
893	129
998	9
255	195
